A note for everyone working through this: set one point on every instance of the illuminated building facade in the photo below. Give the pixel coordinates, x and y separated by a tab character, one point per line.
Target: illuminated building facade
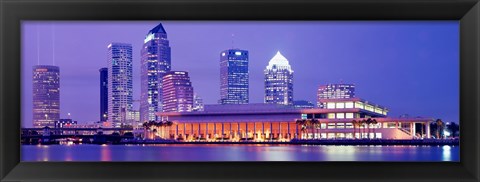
103	94
120	86
177	92
273	122
234	77
303	104
46	95
335	91
155	63
278	81
197	103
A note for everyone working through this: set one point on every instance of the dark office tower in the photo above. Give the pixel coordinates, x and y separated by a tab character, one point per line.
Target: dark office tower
103	94
155	63
279	81
120	86
234	77
46	95
177	92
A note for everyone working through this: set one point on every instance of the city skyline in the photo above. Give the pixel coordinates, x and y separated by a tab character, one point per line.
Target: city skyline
363	91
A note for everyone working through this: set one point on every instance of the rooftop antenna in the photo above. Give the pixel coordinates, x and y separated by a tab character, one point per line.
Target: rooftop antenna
233	36
53	43
38	46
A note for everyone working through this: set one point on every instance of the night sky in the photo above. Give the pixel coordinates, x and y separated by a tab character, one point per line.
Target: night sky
410	67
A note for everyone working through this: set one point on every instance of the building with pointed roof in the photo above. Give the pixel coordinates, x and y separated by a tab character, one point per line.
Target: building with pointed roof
278	81
155	63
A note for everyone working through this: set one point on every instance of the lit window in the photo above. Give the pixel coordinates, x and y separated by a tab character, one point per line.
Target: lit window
340	115
340	105
349	115
331	116
330	105
349	105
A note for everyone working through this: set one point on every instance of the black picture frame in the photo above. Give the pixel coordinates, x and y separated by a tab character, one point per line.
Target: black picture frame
12	12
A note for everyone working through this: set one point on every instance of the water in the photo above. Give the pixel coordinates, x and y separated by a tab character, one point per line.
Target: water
218	152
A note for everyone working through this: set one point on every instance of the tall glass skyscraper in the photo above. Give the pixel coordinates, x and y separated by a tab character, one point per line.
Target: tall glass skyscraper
103	94
120	87
279	81
335	91
46	95
177	92
234	77
155	63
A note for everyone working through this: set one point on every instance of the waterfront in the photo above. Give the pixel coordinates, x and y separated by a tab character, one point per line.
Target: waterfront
232	152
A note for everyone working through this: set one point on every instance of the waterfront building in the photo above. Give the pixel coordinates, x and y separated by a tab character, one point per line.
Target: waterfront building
177	92
275	122
120	86
133	118
103	94
335	91
234	77
197	103
278	81
303	104
46	95
65	123
155	63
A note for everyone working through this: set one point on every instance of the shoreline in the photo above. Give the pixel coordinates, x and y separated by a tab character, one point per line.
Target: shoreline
311	142
433	142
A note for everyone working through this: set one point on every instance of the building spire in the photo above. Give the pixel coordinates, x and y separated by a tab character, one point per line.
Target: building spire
53	44
233	45
38	46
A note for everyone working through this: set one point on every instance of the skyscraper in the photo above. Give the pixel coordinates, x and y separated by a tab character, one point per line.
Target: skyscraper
177	92
155	63
335	91
120	85
46	95
103	94
234	77
197	103
279	81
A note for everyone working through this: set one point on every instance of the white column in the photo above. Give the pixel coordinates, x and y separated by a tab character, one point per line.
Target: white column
428	129
414	128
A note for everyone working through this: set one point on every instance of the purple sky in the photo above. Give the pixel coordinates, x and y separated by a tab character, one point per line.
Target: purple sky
410	67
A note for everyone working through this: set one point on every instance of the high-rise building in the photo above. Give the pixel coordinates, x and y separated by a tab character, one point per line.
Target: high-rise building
46	95
197	103
335	91
234	77
120	87
177	92
278	81
103	94
155	63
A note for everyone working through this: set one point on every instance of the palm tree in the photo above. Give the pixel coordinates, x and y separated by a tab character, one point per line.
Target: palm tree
374	122
368	122
314	122
356	124
440	128
301	123
362	122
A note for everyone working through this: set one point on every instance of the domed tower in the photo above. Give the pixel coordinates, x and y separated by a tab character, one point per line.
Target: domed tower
278	81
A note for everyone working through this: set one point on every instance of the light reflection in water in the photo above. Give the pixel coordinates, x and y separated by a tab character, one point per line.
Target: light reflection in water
446	155
215	152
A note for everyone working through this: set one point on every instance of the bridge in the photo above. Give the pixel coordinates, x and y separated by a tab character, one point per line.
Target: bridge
51	135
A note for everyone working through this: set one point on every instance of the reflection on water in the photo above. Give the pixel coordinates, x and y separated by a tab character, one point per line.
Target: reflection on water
258	152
